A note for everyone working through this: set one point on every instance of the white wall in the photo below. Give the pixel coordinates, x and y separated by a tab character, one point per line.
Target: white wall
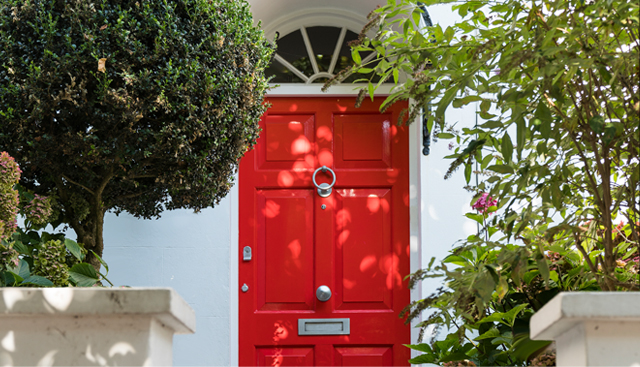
189	252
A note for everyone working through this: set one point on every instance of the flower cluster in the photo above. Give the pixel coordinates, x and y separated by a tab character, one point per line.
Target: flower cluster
38	211
7	256
9	170
547	358
9	177
484	202
633	268
51	263
464	363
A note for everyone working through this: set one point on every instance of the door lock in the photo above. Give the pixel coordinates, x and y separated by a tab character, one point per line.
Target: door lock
246	253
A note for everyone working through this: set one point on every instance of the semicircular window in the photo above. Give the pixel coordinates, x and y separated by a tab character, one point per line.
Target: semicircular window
315	55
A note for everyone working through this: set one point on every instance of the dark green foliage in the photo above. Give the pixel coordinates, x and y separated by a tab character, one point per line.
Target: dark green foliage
136	106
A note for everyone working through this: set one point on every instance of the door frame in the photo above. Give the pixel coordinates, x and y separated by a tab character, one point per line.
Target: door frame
415	217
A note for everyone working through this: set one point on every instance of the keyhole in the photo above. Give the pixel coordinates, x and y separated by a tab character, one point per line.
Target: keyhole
323	207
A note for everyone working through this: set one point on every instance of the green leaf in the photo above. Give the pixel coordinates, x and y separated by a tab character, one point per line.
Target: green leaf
445	101
74	249
506	318
21	248
22	270
597	124
422	347
38	280
83	275
501	169
521	134
459	102
101	261
423	358
507	148
445	136
355	55
523	346
492	333
467	172
477	217
543	267
609	134
530	275
10	278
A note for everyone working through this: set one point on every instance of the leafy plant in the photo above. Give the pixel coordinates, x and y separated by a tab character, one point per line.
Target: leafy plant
127	105
556	146
47	260
28	258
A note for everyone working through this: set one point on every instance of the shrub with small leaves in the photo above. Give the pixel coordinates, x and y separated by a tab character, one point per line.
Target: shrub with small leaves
129	105
51	263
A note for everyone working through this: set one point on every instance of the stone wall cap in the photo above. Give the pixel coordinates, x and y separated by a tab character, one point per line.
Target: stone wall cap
569	308
164	304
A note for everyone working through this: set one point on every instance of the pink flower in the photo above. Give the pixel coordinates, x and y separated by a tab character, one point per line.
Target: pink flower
484	202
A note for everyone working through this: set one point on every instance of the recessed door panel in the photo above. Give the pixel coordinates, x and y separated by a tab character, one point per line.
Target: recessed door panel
285	249
363	248
363	140
286	142
364	356
284	356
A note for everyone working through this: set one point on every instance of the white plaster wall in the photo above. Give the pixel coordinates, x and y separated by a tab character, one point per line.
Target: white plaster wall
444	202
190	253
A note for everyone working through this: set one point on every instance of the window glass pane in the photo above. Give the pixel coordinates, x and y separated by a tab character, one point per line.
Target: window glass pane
281	74
323	41
291	47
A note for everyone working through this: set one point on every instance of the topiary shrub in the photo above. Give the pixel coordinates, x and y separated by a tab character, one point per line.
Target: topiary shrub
136	106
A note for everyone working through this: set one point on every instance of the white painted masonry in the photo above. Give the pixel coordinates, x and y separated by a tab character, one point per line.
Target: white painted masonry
591	328
91	326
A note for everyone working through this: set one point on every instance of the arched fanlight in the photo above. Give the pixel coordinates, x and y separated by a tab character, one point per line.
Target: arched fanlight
314	55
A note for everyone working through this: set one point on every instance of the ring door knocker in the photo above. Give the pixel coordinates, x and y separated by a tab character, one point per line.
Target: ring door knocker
324	189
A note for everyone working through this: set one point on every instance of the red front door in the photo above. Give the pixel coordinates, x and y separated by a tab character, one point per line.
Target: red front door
355	241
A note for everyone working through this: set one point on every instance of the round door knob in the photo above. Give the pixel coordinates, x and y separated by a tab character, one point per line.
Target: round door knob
323	293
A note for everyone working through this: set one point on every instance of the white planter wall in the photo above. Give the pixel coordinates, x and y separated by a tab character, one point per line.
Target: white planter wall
591	328
91	326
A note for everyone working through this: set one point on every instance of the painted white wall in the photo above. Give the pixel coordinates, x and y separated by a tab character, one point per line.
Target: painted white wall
190	253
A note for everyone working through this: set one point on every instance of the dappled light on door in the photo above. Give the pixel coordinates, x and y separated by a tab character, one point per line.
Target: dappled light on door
308	241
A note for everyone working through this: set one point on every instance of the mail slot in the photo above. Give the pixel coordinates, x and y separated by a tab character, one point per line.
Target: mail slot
323	327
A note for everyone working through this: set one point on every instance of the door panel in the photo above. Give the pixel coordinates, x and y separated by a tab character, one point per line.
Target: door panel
355	241
363	140
364	356
363	247
285	249
291	356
